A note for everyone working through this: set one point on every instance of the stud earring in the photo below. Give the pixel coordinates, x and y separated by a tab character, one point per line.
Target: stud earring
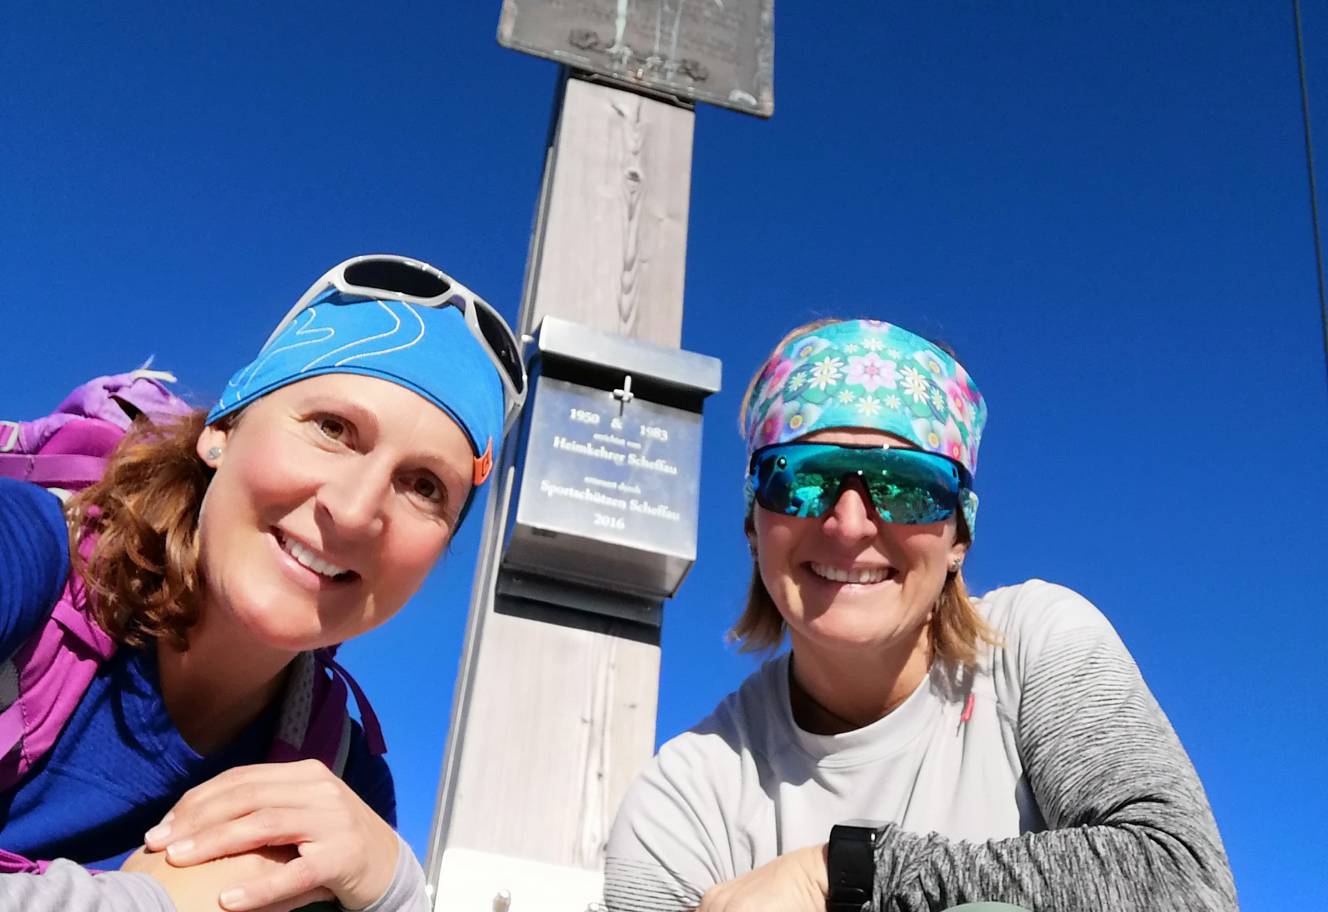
214	453
954	568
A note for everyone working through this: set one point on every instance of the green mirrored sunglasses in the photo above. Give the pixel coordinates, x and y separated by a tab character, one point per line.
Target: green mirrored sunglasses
912	487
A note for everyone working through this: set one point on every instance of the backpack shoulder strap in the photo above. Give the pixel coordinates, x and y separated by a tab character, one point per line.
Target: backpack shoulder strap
315	722
13	863
40	687
43	682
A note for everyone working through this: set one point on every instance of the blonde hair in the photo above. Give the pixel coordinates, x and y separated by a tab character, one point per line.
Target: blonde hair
955	629
142	575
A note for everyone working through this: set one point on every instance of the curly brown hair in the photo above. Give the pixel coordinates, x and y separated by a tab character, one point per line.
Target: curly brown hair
142	574
956	629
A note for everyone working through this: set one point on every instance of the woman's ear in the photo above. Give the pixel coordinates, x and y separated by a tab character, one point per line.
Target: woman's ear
211	446
957	552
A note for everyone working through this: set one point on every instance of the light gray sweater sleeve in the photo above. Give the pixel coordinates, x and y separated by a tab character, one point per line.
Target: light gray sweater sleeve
68	887
406	891
1129	826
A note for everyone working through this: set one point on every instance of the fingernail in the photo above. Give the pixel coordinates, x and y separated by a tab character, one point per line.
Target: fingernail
159	833
178	851
232	897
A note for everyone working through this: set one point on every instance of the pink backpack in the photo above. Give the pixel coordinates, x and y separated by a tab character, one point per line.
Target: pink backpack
42	683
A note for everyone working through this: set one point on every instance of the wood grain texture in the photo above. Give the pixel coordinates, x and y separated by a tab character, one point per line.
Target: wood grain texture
615	241
561	718
555	709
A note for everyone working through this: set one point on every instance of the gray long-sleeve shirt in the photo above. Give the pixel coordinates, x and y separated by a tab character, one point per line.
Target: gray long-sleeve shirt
68	887
1046	777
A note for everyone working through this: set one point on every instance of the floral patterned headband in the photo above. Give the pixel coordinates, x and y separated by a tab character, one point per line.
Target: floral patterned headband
866	373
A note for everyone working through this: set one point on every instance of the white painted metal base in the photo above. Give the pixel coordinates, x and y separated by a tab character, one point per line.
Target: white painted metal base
473	881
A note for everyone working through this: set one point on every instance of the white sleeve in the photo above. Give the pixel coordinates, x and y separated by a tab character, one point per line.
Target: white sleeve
406	891
68	887
664	850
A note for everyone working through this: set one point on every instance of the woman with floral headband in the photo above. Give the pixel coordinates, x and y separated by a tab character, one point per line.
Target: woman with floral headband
915	748
209	570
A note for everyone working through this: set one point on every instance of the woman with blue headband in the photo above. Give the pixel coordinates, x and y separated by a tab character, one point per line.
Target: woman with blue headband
217	557
915	748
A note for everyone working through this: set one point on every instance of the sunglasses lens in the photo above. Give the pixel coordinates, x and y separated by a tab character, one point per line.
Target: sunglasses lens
788	481
503	345
393	275
906	486
913	488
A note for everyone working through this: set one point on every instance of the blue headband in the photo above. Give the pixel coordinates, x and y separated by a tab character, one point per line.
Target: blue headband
428	350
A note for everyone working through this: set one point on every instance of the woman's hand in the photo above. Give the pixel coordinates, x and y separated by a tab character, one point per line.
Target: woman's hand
794	882
195	889
344	849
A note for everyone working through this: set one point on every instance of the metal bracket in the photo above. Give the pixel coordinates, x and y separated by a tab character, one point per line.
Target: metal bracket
533	588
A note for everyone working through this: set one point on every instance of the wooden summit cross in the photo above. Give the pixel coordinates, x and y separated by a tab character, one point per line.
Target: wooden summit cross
554	710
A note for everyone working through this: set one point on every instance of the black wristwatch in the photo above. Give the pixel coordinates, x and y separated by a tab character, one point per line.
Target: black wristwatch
851	863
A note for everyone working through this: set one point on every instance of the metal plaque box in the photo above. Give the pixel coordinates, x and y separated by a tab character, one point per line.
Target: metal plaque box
609	478
717	52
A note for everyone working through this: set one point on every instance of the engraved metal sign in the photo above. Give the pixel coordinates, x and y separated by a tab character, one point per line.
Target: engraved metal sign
716	51
609	490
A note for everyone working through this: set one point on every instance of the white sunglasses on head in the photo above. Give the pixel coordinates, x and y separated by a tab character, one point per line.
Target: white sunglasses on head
378	276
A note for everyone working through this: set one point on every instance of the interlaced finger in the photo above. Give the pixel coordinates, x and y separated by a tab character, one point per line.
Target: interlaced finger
240	777
198	813
264	827
298	877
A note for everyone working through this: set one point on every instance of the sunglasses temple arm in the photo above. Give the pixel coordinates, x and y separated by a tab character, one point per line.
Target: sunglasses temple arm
324	282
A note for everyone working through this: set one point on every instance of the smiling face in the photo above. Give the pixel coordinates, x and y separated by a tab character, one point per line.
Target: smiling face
332	499
846	582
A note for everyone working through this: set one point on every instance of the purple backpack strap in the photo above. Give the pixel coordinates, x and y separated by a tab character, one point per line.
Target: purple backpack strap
41	685
67	449
314	721
10	863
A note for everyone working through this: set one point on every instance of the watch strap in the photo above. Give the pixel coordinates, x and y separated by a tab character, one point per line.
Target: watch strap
851	864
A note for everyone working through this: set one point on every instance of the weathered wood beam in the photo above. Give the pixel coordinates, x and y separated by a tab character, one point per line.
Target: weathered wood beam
555	710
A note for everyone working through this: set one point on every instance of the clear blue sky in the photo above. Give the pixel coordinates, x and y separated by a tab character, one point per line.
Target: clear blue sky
1102	207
